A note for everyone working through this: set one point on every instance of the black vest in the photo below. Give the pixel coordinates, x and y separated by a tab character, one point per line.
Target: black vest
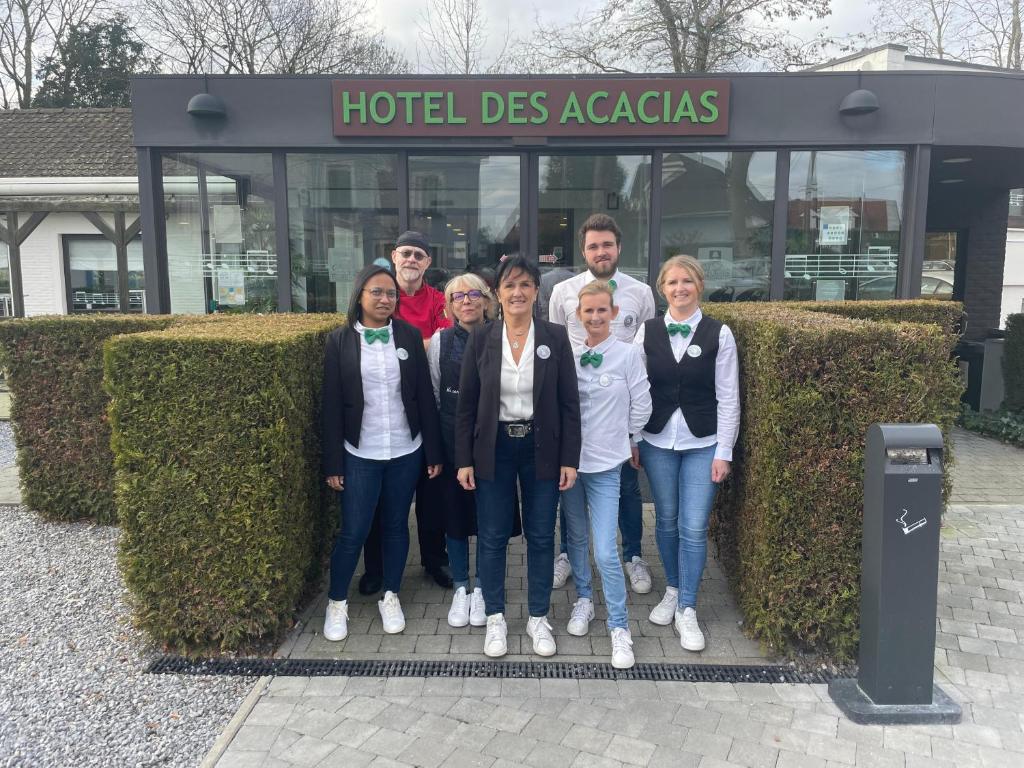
453	345
688	384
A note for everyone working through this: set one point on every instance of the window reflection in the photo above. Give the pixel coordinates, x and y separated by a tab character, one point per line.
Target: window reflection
6	298
717	206
93	275
468	207
843	228
343	214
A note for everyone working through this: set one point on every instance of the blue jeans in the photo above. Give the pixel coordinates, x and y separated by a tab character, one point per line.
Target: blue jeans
367	481
513	459
458	559
631	514
600	492
683	495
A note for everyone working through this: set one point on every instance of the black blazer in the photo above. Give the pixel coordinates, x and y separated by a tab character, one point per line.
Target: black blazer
556	401
342	394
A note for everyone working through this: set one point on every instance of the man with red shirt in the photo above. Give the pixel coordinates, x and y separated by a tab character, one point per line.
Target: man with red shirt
422	306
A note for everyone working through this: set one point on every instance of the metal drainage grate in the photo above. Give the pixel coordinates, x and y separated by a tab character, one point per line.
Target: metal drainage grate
563	670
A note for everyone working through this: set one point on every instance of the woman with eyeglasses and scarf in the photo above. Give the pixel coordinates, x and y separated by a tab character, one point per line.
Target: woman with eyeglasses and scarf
377	428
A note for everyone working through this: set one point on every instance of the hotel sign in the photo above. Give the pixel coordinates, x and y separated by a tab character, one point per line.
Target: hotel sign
528	107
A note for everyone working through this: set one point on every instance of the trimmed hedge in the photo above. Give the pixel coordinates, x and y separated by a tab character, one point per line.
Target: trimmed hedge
1013	363
788	526
948	315
54	368
217	453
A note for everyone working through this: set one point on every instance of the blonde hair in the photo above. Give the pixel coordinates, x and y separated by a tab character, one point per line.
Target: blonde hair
470	282
687	263
595	288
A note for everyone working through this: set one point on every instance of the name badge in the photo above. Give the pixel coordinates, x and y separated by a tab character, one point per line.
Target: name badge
693	350
605	380
402	353
543	352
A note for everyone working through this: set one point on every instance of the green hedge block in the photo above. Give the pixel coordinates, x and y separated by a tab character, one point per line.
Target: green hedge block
216	442
788	526
1013	363
948	315
54	368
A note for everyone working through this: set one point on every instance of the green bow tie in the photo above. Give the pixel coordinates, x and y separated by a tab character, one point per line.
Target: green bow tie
379	334
683	328
612	285
591	358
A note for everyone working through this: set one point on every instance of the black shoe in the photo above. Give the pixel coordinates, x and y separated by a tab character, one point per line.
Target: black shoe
370	584
442	574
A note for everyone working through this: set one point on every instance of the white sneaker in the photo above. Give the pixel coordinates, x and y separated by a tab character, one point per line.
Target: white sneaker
622	648
690	636
458	614
563	570
540	630
496	641
582	615
477	612
336	620
664	611
639	575
391	613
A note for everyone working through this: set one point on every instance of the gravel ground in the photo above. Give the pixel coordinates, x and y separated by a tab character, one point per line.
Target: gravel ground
7	454
72	688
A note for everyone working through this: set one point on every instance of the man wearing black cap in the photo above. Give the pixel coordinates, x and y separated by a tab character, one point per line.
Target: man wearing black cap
421	306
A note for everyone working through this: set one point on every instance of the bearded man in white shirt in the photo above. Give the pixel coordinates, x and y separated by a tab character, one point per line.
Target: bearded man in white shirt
601	243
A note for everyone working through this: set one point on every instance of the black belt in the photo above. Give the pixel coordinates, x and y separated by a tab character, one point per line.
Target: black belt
516	428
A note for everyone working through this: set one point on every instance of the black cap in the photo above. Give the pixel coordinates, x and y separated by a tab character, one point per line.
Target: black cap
415	239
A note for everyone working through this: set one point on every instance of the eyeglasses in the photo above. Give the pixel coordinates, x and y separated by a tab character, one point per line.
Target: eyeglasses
411	253
379	293
473	295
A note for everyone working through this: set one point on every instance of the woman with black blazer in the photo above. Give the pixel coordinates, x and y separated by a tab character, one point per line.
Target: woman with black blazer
518	417
379	421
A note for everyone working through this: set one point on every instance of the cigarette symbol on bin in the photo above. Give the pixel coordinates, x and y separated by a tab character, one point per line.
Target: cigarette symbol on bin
911	527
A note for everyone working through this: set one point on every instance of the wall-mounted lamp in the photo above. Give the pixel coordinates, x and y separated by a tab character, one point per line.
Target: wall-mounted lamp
205	104
859	102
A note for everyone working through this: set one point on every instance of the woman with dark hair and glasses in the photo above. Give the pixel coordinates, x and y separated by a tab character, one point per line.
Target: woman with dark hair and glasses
379	420
517	418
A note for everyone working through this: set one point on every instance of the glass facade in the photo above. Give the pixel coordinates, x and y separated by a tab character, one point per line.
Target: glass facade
93	275
843	224
6	299
342	214
468	207
718	207
221	247
344	210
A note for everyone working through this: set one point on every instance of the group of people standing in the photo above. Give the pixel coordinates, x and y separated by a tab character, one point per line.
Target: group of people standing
492	415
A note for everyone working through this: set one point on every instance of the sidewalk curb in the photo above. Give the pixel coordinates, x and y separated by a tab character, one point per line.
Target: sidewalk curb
220	746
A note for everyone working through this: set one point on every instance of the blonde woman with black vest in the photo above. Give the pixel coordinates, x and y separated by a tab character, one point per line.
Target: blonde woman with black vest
686	447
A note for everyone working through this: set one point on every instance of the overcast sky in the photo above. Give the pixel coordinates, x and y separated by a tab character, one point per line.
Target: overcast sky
398	18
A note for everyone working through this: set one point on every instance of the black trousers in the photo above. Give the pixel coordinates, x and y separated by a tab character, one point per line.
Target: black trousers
429	529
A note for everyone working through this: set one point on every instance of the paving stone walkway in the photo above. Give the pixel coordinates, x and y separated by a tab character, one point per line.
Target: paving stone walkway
490	723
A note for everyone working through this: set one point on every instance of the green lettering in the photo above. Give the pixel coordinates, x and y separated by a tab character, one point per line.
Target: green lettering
666	106
408	97
348	107
572	109
641	103
590	107
707	100
623	109
375	113
685	109
491	98
453	118
431	106
537	99
516	105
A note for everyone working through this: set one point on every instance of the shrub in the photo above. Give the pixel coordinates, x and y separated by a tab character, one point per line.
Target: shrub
1003	424
1013	363
789	525
948	315
59	410
219	491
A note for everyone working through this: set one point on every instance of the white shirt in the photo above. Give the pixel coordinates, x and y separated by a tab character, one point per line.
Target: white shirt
516	384
634	299
615	402
676	436
385	432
